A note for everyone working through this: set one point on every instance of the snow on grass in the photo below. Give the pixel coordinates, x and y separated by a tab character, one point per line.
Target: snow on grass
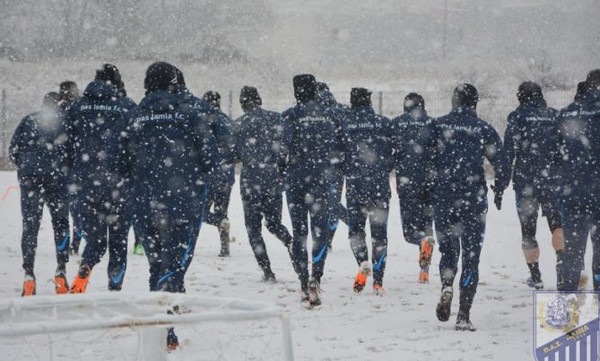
399	326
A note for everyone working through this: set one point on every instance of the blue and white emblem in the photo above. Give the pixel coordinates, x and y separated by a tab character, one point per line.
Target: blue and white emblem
566	326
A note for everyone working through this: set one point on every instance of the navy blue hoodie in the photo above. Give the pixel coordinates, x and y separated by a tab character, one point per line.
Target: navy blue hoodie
530	141
314	140
369	158
579	141
38	144
408	130
169	154
456	145
257	146
94	125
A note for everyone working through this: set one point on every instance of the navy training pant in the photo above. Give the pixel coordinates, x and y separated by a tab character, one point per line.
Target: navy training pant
309	197
459	217
339	212
416	213
169	242
262	203
35	192
104	226
579	219
218	199
376	210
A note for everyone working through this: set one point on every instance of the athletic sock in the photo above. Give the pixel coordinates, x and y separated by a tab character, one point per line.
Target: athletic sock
466	301
534	268
560	277
61	269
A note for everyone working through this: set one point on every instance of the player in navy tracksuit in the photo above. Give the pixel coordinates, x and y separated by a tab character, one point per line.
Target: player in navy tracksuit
94	125
579	140
220	194
531	144
413	190
169	153
69	92
216	195
456	145
339	212
169	150
313	141
37	148
257	135
368	165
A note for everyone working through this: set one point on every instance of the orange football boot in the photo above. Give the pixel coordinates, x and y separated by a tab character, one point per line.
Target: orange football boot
60	285
80	281
361	277
28	287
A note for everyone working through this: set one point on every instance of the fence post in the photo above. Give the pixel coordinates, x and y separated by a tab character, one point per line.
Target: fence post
230	110
380	106
288	347
3	125
152	344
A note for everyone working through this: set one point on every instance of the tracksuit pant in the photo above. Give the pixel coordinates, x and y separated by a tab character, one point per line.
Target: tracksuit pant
459	216
218	199
267	203
309	196
104	225
416	212
169	241
339	212
35	192
579	220
77	234
361	208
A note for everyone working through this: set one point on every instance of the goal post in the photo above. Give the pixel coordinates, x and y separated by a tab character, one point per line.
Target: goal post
147	312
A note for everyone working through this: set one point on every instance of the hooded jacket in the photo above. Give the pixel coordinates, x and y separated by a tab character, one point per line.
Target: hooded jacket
94	126
457	145
408	128
530	140
38	144
314	139
369	155
169	154
579	145
257	145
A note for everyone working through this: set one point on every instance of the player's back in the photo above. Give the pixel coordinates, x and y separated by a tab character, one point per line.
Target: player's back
312	138
169	148
461	143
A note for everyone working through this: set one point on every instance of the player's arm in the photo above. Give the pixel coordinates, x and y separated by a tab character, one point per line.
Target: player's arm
424	158
286	136
512	140
496	154
208	151
342	145
18	141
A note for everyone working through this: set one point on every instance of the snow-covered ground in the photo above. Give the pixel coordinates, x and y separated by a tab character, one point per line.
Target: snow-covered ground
399	326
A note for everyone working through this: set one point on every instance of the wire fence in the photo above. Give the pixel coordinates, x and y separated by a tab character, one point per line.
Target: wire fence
493	108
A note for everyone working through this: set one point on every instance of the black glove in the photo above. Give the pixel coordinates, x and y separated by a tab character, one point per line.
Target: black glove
282	172
497	197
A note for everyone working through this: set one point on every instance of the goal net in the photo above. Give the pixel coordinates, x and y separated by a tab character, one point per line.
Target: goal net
126	326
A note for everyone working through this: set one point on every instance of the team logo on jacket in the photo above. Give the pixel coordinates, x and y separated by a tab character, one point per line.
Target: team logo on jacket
566	326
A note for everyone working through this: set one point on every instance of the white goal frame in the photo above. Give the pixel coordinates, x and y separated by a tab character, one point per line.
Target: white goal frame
149	315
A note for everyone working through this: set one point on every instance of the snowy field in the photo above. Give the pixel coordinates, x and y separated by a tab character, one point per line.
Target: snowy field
399	326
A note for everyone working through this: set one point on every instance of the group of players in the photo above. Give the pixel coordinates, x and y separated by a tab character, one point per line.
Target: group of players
162	165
